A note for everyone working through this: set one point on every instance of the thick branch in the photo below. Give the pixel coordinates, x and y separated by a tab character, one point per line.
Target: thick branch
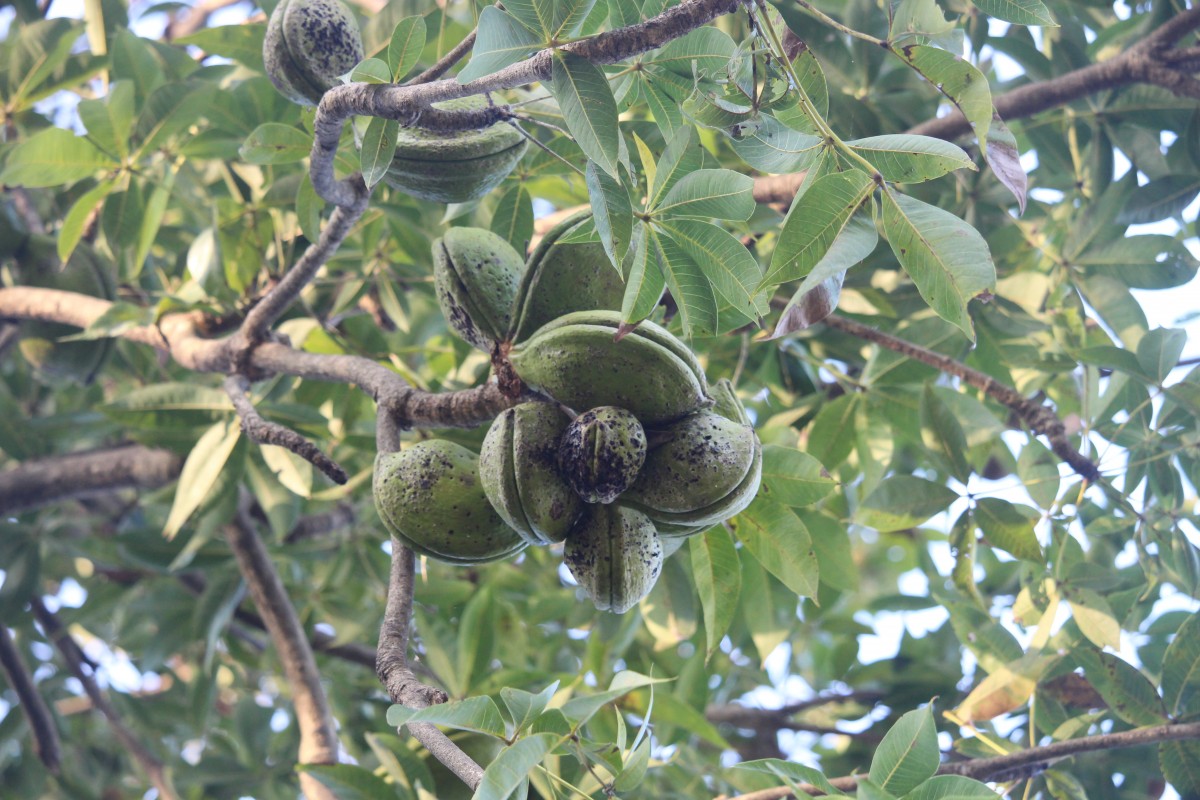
41	722
76	662
1040	419
391	665
1022	763
33	484
318	741
263	432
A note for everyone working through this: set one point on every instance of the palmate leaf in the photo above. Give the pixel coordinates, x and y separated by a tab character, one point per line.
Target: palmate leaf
947	259
589	110
724	261
1021	12
956	78
908	754
701	53
552	19
689	286
501	41
776	147
718	575
680	158
708	193
904	158
404	49
611	211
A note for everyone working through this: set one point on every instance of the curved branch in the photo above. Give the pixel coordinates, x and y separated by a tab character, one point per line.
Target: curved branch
1023	763
1040	419
41	722
33	484
318	741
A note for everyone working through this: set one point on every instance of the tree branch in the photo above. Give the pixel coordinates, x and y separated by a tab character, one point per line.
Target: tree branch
447	61
195	19
263	432
1040	419
33	484
391	665
41	722
1023	763
75	663
318	741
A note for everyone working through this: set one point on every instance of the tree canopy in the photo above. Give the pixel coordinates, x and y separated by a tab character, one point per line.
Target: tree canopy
942	252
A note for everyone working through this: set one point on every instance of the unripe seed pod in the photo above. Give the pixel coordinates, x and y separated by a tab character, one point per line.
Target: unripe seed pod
475	274
601	453
430	498
615	556
308	46
518	465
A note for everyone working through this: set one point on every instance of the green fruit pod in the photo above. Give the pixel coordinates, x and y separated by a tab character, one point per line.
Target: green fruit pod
58	363
454	167
562	277
518	465
431	499
308	46
615	556
601	453
475	275
577	360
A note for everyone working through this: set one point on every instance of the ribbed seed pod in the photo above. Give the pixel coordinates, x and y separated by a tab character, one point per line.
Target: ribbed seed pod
431	499
601	453
518	465
562	277
615	555
308	46
576	360
475	275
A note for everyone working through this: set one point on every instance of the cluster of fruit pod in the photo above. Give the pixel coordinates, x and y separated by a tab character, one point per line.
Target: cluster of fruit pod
311	44
630	453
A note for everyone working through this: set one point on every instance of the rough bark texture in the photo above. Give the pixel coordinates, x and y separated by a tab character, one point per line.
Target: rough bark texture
34	484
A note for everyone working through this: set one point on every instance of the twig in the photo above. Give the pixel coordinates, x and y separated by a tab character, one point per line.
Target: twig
318	741
33	484
1024	763
76	661
445	62
263	432
41	722
317	525
391	665
197	18
1040	419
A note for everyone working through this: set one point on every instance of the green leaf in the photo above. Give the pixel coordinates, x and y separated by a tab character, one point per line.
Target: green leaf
947	259
276	143
644	282
1181	671
708	193
1009	527
1180	762
35	52
155	210
53	157
663	107
815	220
718	574
554	19
689	287
831	436
589	110
1160	199
581	709
505	774
134	60
669	610
921	17
242	43
611	211
76	219
478	714
1150	261
378	148
1094	616
776	147
404	49
725	262
524	707
778	540
170	110
501	41
951	787
680	158
513	218
792	773
954	77
903	501
1022	12
905	158
704	53
351	782
1159	351
121	217
908	754
109	122
201	472
793	478
1128	692
371	70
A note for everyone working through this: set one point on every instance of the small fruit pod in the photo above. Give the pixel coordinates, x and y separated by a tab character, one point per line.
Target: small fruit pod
475	275
577	360
454	167
518	466
615	556
601	453
562	277
429	496
309	45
